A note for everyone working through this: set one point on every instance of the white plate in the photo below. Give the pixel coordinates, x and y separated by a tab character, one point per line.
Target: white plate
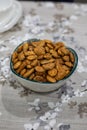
7	17
13	17
5	5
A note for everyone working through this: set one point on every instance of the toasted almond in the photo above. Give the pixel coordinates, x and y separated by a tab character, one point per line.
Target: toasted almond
39	50
40	57
17	64
27	53
51	79
31	48
47	56
47	61
52	72
34	62
60	75
14	55
35	44
29	66
48	66
28	73
64	50
23	72
47	49
15	60
54	53
32	76
21	56
58	45
39	69
25	46
28	62
40	74
39	78
69	64
20	48
65	67
60	53
66	58
22	66
50	45
31	57
71	57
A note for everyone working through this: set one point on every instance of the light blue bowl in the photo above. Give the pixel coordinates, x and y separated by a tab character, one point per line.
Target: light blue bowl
43	86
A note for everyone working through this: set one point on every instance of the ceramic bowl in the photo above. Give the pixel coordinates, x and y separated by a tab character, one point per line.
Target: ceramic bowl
46	86
5	5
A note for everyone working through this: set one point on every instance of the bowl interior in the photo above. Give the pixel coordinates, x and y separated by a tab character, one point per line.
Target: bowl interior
71	72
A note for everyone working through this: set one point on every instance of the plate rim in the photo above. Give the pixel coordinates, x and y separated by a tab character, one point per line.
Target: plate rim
15	18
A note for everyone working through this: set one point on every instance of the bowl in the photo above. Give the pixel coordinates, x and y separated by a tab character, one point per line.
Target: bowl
43	86
5	5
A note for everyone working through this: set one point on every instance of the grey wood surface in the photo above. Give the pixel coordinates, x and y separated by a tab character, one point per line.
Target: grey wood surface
14	109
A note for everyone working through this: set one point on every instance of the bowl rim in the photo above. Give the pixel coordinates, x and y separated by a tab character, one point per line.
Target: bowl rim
34	40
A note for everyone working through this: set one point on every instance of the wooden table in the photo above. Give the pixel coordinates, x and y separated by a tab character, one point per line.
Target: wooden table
64	109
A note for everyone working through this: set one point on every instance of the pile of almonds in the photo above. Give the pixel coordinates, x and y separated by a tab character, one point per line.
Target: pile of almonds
43	61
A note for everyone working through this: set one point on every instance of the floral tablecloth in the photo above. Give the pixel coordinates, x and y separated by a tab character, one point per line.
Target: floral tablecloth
64	109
